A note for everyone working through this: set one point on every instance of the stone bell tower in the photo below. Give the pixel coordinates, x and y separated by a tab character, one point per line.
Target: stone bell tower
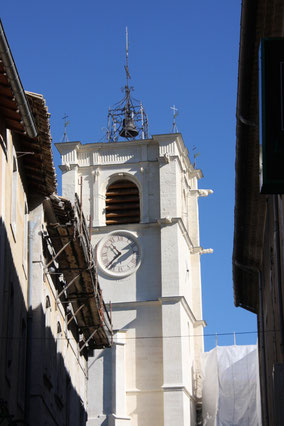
141	195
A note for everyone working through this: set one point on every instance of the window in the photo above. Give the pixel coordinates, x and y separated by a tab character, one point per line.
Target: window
10	327
47	303
60	368
3	135
59	346
59	329
14	195
48	338
122	203
22	362
25	242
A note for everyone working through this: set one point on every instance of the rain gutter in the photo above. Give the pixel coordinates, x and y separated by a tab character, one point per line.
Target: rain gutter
246	130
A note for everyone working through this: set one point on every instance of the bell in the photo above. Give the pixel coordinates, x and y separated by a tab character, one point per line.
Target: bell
128	128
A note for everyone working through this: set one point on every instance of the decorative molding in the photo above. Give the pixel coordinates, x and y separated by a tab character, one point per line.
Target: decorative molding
133	304
115	417
201	192
64	147
84	158
167	150
136	227
108	156
95	173
119	337
182	154
65	167
196	173
207	251
197	323
178	388
135	390
169	300
185	233
166	221
201	250
181	299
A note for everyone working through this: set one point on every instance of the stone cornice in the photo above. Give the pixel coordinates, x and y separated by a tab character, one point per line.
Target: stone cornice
168	221
67	167
122	418
160	301
136	390
178	388
62	146
96	146
108	154
164	388
181	299
133	304
129	227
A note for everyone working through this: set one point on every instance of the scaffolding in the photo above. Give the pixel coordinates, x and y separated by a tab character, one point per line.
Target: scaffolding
71	263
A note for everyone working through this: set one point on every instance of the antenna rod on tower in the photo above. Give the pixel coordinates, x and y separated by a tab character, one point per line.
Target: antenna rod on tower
126	66
127	90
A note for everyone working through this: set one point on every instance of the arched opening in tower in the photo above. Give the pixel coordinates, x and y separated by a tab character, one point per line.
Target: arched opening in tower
122	203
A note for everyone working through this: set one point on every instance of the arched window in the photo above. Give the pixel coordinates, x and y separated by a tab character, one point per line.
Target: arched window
47	302
14	194
122	203
59	329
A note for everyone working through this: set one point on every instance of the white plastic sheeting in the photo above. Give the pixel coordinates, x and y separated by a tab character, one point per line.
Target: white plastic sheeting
230	395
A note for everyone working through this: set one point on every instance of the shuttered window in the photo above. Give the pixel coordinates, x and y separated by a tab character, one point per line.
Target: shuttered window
122	203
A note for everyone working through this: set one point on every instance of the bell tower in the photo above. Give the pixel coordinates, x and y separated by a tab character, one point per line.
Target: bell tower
141	195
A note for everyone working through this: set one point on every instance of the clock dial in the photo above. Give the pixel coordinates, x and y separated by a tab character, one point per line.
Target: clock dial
119	254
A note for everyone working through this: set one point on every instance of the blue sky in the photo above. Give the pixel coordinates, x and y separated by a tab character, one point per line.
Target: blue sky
183	53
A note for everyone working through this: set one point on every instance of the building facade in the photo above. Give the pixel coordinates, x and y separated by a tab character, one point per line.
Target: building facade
141	197
47	322
258	236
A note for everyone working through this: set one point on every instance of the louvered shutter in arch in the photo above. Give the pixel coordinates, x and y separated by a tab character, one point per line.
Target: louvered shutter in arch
122	203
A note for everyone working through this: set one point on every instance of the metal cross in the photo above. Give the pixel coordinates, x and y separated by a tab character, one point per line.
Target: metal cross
174	128
174	109
65	137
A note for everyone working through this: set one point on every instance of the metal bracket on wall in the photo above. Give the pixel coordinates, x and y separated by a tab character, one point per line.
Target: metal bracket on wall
87	341
57	254
66	287
75	313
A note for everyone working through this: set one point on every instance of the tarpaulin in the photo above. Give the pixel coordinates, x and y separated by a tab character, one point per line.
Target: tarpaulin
230	395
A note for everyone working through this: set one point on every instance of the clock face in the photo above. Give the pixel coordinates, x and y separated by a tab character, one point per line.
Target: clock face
119	254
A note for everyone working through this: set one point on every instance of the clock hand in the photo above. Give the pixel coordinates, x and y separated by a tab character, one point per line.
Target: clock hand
115	257
115	249
124	256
